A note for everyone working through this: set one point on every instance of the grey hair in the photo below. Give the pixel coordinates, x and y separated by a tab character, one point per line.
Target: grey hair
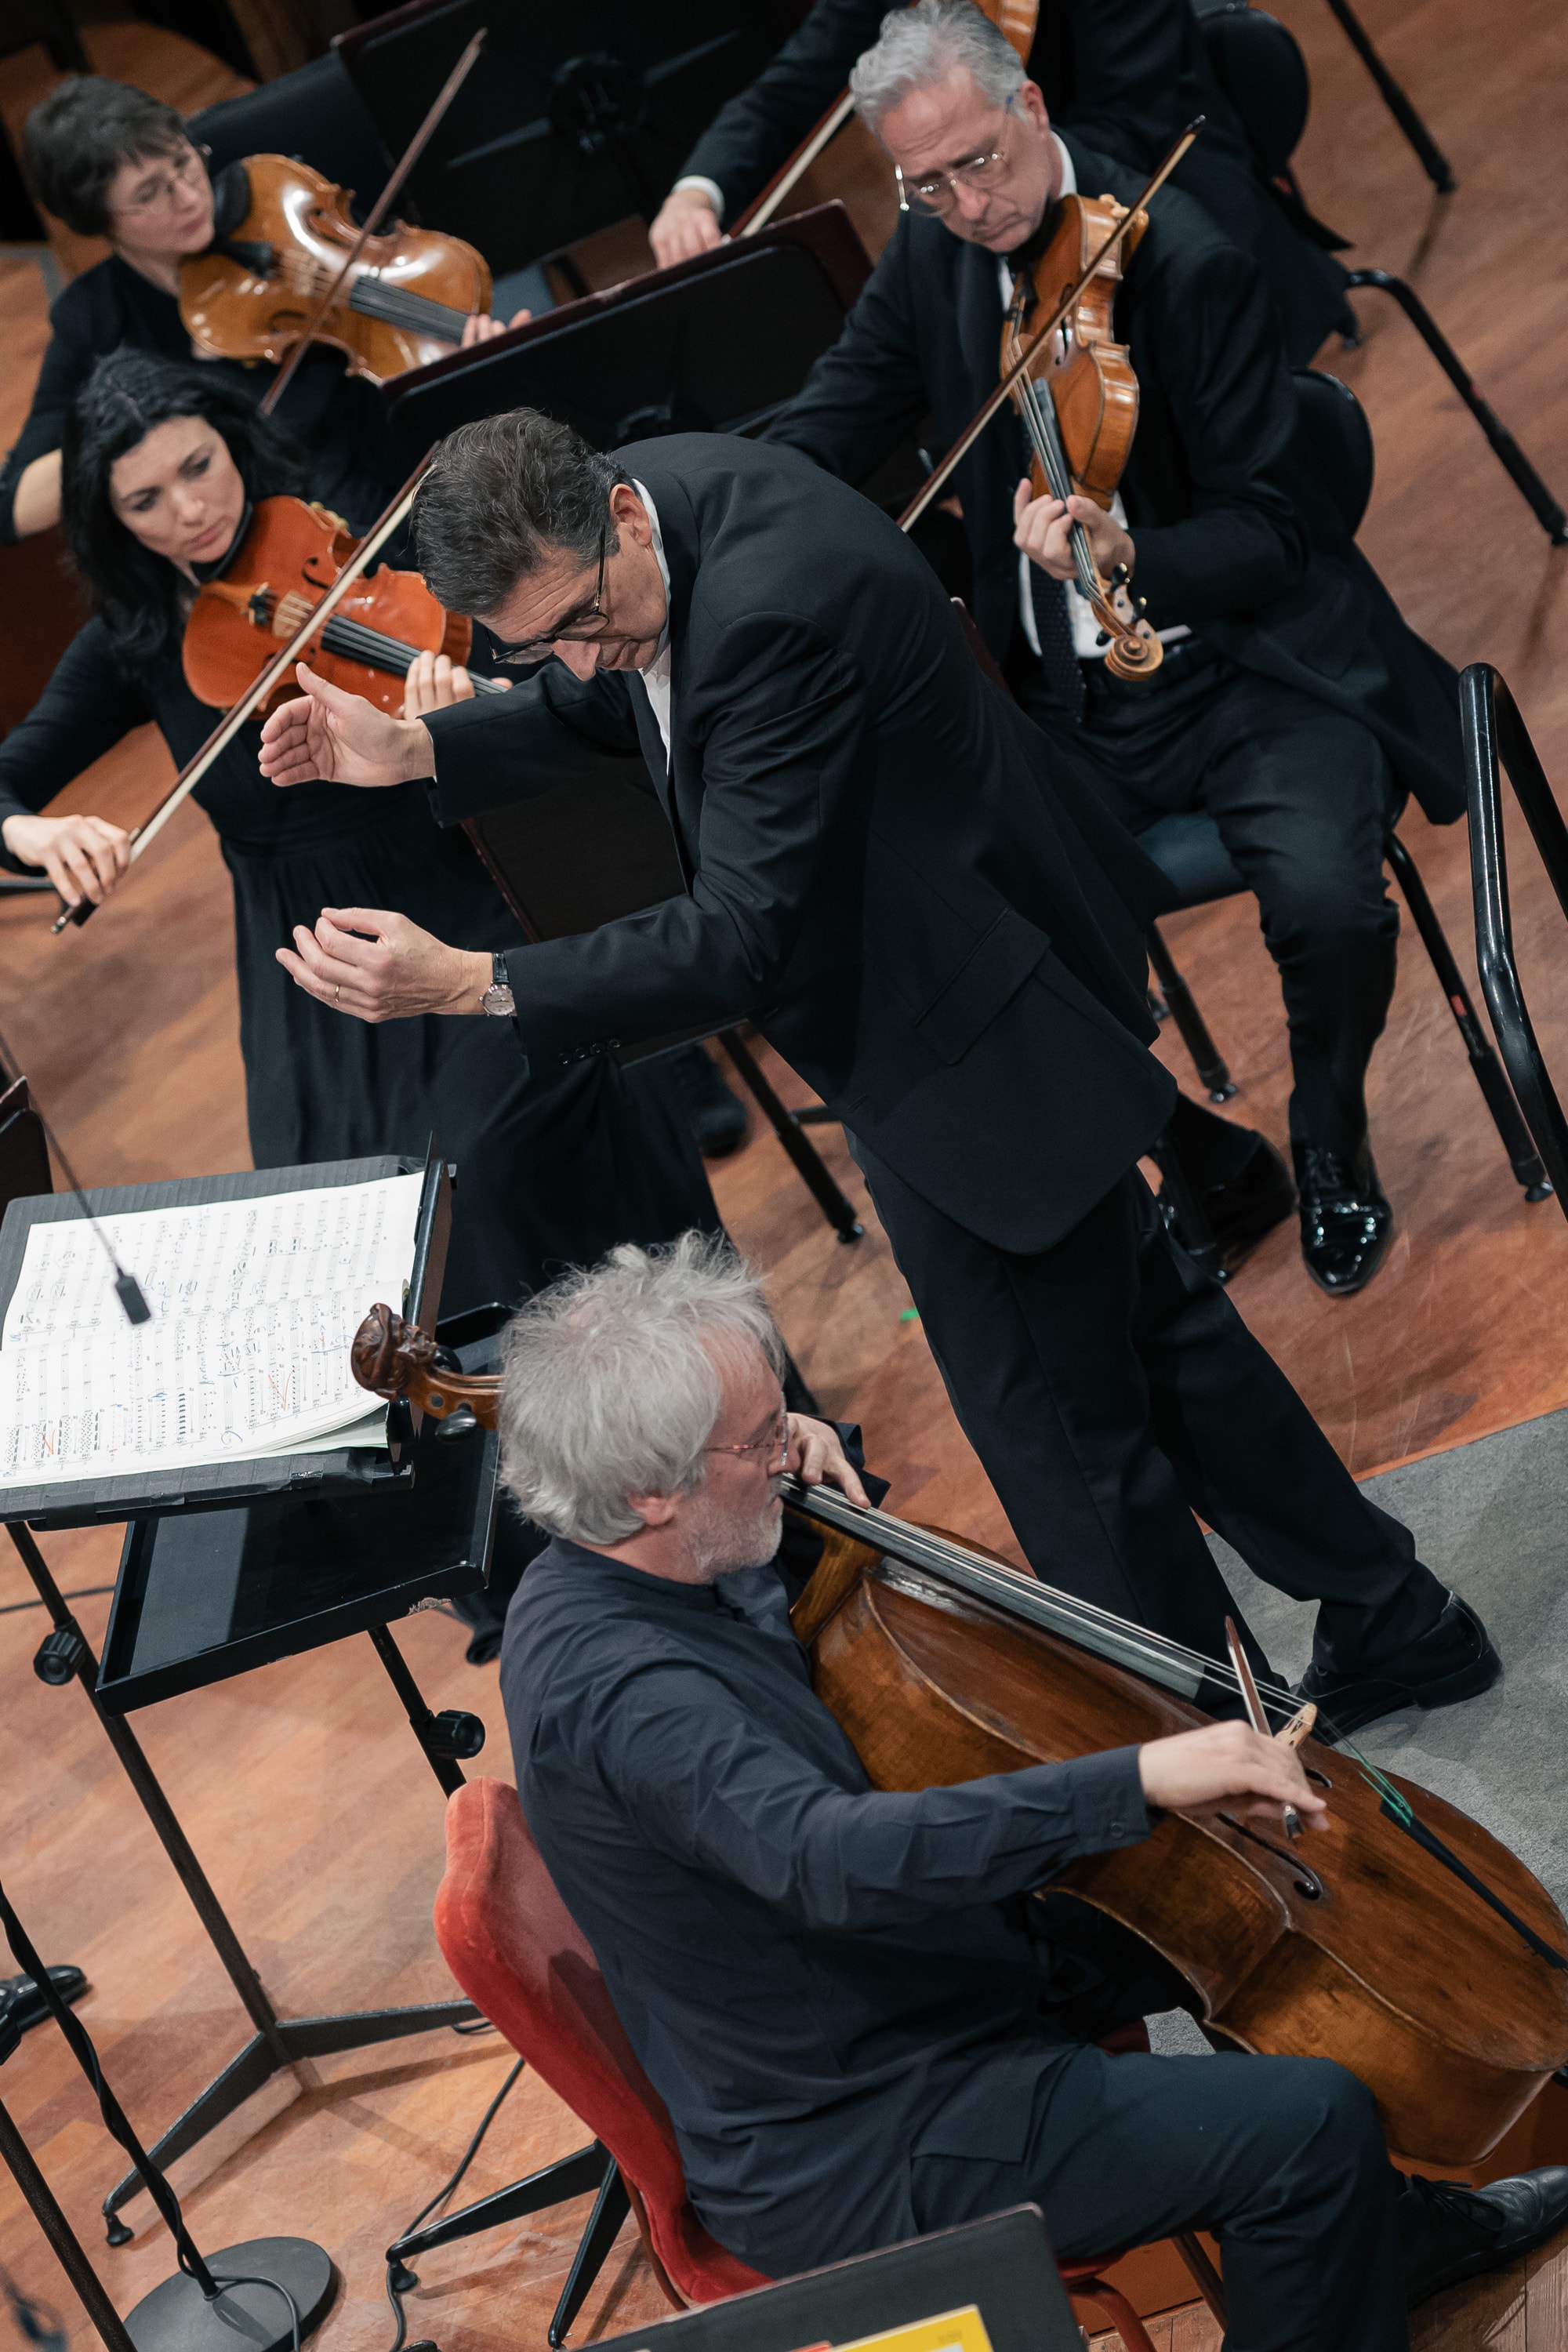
611	1381
920	46
502	496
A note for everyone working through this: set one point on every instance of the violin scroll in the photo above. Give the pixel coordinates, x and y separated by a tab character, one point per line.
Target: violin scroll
393	1359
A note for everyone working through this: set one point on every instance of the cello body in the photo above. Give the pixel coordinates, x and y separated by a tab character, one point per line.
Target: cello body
1353	1944
252	295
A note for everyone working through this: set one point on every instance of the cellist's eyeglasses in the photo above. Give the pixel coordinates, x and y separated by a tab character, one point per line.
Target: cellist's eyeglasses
938	192
583	623
776	1441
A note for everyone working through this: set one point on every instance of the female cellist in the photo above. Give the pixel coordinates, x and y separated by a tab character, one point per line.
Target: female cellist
111	161
161	465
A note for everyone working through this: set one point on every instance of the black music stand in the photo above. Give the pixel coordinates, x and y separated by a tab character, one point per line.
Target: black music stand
715	344
576	117
250	1562
1001	2265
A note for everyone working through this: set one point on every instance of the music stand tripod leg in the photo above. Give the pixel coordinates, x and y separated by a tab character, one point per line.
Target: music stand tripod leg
809	1164
278	2043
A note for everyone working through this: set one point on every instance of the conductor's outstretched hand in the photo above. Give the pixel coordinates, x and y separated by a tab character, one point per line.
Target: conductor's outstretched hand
329	737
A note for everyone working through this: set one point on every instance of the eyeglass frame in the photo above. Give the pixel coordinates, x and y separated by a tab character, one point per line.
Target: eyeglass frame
182	177
949	180
778	1435
570	630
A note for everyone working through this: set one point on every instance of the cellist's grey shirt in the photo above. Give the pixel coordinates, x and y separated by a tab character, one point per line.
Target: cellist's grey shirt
818	1978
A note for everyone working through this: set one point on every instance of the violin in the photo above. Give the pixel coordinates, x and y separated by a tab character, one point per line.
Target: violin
288	556
1402	1940
254	293
1078	396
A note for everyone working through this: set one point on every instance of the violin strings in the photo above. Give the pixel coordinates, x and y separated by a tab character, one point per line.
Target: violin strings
1047	440
375	296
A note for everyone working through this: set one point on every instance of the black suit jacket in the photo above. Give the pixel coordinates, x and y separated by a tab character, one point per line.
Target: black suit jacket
942	933
1234	535
1128	76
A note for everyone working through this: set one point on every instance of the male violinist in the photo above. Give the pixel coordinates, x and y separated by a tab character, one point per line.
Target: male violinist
942	930
863	2021
1293	704
1127	76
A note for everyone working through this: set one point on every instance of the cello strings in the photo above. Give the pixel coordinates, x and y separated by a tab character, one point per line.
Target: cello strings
1030	1597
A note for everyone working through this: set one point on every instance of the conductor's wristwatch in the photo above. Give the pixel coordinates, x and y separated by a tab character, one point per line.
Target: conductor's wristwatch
498	997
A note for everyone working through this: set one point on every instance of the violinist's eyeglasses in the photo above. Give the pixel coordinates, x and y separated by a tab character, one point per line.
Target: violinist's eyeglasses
180	178
583	623
939	192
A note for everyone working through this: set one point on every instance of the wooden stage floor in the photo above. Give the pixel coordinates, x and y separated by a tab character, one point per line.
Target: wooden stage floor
300	1784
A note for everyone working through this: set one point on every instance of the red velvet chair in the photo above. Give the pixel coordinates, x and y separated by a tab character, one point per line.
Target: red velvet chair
518	1954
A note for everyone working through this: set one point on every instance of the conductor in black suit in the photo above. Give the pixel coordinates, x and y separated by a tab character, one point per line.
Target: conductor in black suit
1127	76
1293	703
941	931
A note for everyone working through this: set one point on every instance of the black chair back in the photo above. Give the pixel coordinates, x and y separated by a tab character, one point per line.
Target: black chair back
316	113
1260	68
1333	435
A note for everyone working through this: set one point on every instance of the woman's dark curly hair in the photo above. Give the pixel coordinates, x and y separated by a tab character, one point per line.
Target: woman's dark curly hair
139	597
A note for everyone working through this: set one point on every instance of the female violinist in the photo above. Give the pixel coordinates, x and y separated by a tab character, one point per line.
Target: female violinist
111	161
162	466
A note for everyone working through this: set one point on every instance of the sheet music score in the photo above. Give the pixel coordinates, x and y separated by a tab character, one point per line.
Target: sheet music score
255	1304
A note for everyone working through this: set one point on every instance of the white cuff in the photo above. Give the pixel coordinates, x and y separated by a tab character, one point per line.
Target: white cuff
709	188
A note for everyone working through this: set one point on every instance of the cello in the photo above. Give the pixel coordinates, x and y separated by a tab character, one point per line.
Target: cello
1413	1946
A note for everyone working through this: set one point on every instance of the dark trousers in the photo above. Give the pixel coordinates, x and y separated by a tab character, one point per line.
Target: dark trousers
1281	2158
1110	1390
1303	797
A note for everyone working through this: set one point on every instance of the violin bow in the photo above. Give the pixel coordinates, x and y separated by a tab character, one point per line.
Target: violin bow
374	218
761	210
995	400
234	719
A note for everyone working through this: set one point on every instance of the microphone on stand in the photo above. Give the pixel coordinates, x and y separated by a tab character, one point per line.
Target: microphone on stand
127	1289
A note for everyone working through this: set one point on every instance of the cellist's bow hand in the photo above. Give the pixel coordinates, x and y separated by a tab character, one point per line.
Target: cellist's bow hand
1043	528
815	1452
1229	1766
329	737
84	856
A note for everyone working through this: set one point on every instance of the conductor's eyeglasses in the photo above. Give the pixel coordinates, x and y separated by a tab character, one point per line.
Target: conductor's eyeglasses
583	623
938	192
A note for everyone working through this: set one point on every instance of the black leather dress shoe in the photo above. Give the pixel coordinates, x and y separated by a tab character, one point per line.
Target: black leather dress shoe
716	1116
1346	1222
1454	1659
22	2005
1448	2232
